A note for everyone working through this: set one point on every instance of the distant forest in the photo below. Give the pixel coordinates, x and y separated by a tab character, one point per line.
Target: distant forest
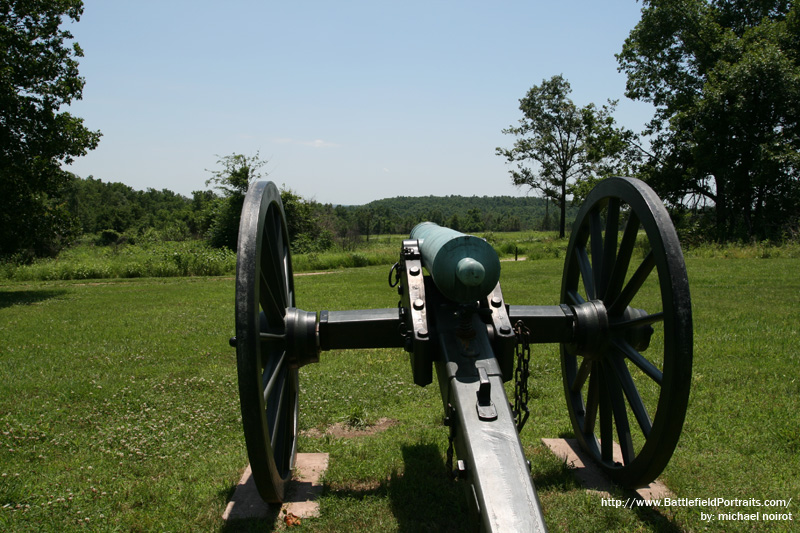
463	213
116	212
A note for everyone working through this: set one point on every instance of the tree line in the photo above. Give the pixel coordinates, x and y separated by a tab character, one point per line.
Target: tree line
109	213
114	213
462	213
722	149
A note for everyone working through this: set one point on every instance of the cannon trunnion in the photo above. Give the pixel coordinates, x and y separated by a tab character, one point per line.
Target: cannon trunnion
623	324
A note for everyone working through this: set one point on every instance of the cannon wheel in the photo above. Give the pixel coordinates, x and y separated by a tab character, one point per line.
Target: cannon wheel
268	386
613	388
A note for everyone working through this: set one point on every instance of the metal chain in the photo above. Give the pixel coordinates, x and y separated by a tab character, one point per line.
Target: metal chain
449	463
523	355
451	422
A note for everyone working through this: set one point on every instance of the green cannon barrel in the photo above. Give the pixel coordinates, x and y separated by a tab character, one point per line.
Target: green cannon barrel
464	268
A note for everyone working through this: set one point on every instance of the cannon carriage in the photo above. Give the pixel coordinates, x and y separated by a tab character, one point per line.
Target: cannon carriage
623	325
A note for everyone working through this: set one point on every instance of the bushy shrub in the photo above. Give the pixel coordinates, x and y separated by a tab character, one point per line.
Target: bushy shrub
305	243
509	248
224	231
359	260
149	259
108	237
334	260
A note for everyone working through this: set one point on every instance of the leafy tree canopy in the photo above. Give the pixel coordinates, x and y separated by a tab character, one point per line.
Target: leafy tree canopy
237	173
38	75
725	80
233	179
560	145
98	206
497	213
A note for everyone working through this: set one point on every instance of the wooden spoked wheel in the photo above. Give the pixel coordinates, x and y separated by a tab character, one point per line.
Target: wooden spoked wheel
268	386
627	376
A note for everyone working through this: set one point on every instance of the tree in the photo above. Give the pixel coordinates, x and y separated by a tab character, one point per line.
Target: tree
560	144
97	206
38	75
309	224
237	173
724	76
201	212
365	218
454	222
474	221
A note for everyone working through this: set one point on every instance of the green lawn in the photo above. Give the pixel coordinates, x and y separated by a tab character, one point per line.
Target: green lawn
119	408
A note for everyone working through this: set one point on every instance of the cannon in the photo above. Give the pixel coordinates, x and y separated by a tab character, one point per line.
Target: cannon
623	324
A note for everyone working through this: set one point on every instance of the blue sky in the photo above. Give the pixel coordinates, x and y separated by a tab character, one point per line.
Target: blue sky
349	101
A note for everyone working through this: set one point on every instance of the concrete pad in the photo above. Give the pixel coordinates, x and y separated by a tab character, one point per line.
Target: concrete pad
306	486
592	478
301	493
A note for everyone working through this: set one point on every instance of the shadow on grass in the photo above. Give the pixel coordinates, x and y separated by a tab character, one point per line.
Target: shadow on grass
424	497
650	515
12	298
561	477
253	525
249	525
555	476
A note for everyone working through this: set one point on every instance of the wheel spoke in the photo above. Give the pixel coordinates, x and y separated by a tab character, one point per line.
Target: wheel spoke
617	276
632	394
286	272
592	400
610	244
645	320
282	259
586	272
596	232
575	298
278	414
633	286
273	259
583	373
606	422
639	360
620	414
269	304
271	297
274	374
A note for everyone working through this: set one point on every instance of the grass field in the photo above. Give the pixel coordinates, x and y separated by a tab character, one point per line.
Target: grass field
145	259
119	408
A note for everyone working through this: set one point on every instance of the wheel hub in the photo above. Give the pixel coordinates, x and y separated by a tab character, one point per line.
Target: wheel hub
302	341
638	337
591	329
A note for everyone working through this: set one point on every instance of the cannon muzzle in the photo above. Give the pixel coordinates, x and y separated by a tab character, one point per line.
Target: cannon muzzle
464	268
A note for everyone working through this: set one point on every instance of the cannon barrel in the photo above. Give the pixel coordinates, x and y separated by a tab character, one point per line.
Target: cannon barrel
464	268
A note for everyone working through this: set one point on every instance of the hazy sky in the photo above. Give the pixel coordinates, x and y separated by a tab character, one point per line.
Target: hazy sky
349	101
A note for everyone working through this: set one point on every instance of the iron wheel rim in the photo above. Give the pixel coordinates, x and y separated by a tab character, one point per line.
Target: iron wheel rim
268	381
601	390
